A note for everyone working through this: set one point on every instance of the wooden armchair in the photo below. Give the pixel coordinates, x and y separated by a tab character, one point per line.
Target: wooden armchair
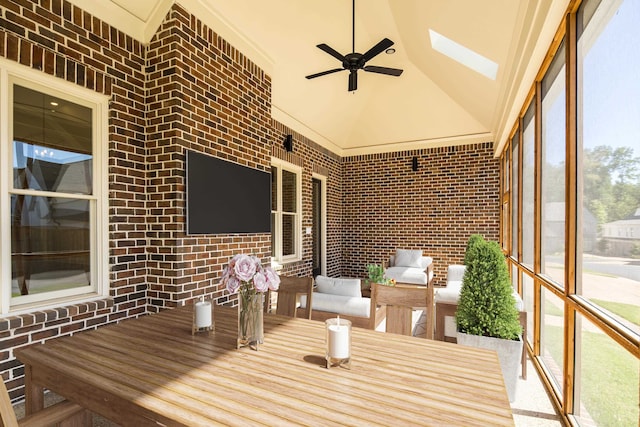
400	301
64	413
288	292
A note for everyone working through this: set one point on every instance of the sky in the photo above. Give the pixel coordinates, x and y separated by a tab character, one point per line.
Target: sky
609	86
611	83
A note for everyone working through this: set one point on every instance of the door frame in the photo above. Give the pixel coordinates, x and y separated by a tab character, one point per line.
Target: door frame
323	221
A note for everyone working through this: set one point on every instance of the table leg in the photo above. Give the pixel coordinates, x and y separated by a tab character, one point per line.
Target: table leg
81	419
33	394
430	310
34	402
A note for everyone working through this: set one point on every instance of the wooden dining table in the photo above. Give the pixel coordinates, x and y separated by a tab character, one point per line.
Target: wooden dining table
153	371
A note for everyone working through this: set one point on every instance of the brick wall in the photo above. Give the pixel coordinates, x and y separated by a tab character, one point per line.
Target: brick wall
314	159
206	96
386	205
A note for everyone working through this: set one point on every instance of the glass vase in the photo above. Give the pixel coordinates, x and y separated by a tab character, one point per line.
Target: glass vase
250	322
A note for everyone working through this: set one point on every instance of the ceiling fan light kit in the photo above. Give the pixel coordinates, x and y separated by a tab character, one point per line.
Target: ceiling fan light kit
355	61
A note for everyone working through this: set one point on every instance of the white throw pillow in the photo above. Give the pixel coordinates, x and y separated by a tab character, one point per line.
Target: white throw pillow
335	286
408	258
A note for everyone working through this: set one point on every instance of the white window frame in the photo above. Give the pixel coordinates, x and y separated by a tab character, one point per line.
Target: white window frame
276	234
10	74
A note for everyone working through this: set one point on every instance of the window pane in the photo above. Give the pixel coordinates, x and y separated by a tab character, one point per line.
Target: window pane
551	336
610	161
274	232
604	368
515	208
274	191
507	173
38	168
289	188
528	170
50	244
52	143
553	169
504	238
288	235
505	225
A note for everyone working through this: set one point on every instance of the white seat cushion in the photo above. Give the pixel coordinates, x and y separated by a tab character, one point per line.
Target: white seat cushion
455	285
339	304
416	276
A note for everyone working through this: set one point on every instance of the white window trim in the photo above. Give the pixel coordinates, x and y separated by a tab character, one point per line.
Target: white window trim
297	256
11	73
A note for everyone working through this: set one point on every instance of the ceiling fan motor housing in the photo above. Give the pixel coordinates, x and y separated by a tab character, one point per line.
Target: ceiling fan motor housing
353	61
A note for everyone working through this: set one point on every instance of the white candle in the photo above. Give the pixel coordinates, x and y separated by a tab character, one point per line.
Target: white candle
338	341
203	314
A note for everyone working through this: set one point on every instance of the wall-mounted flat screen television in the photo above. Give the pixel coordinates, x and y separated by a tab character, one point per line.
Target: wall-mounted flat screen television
225	197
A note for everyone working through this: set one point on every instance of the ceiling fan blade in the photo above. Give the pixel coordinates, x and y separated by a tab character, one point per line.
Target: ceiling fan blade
353	80
383	70
383	45
335	70
331	51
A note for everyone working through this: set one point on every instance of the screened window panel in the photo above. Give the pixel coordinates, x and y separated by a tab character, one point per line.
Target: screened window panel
604	369
528	300
552	336
528	182
553	169
515	208
609	166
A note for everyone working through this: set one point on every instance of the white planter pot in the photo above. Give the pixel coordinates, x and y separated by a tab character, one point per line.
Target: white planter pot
509	353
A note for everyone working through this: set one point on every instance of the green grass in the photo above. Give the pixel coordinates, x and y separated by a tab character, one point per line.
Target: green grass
607	370
629	312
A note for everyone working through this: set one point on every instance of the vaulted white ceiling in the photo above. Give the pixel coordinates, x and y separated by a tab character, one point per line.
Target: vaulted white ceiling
435	102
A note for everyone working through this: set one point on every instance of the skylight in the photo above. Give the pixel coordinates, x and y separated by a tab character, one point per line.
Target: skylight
463	55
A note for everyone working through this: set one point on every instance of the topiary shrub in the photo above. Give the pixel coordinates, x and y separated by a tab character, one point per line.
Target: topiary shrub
474	239
487	306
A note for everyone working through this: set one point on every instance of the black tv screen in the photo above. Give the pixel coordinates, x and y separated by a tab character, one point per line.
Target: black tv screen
225	197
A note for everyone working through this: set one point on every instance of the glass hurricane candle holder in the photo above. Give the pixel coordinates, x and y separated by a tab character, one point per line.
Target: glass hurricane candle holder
202	317
338	342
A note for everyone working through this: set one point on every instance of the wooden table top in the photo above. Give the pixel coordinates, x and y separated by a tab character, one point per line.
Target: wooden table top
152	371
